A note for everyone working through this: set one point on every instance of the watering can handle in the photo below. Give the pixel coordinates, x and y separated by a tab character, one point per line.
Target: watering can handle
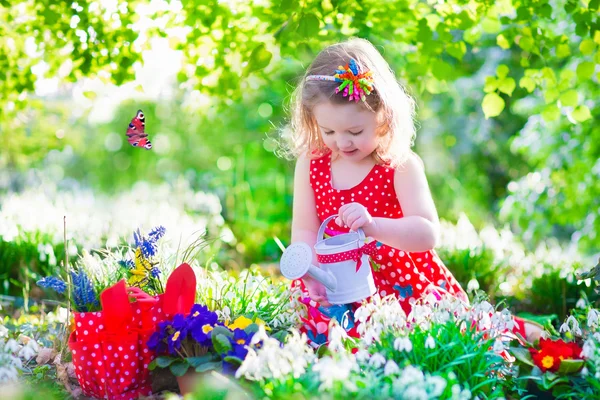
361	234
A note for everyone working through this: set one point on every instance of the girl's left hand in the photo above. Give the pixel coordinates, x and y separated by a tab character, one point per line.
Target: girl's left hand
354	216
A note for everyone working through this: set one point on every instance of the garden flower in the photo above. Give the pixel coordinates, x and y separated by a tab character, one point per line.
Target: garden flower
551	353
54	283
430	342
179	332
377	360
592	318
403	344
391	368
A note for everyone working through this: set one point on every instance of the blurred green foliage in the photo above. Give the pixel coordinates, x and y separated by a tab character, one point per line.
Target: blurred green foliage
507	90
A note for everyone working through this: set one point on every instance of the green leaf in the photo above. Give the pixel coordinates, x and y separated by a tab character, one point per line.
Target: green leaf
259	59
491	84
502	41
551	113
441	70
569	98
523	355
551	95
570	366
233	360
585	70
502	70
526	43
490	25
527	83
221	343
456	49
163	361
197	361
507	85
252	328
563	50
208	366
308	26
581	113
492	105
179	368
222	330
587	47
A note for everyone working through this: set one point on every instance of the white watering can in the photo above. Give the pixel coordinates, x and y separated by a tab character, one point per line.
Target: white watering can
345	269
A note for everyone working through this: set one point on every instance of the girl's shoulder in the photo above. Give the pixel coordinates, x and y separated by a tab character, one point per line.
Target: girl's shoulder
412	162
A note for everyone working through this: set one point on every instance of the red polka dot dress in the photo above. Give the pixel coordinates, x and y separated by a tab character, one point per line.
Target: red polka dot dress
404	274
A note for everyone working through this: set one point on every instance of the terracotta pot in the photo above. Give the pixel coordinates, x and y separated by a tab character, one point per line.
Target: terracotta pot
188	381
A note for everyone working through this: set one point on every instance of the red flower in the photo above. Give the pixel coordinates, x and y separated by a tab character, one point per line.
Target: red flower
551	353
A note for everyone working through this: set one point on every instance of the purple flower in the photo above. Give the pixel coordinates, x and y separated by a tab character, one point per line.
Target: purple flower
156	233
129	264
155	272
201	322
239	342
54	283
180	331
84	294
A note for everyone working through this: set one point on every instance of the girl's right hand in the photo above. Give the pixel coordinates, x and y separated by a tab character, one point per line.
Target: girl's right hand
316	290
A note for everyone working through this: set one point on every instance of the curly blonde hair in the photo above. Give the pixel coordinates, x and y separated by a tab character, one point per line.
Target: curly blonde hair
395	109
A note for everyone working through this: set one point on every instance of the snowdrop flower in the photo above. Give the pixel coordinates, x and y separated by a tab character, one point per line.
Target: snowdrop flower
498	346
12	346
333	370
391	368
430	342
436	385
592	318
403	344
377	360
29	350
581	303
571	325
362	355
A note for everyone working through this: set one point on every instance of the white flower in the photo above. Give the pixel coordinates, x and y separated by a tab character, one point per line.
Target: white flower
437	384
29	350
430	342
498	346
592	318
581	303
391	368
377	360
403	344
12	346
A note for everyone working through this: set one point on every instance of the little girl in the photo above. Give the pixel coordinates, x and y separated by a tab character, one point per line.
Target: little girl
352	130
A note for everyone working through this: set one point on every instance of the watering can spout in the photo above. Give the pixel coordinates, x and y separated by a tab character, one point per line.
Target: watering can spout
325	277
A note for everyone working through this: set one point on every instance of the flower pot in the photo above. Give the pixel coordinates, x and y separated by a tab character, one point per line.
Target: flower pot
188	381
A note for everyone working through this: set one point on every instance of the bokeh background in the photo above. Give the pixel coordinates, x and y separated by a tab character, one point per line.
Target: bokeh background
508	115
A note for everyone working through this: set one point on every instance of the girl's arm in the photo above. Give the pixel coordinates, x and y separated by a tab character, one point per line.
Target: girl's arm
418	230
306	223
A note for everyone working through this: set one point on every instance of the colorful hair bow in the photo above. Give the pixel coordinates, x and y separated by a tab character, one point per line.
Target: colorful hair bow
355	85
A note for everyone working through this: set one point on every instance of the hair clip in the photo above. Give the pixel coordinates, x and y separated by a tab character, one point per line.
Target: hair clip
355	85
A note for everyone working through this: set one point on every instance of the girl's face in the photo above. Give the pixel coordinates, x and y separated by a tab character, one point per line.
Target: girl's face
348	130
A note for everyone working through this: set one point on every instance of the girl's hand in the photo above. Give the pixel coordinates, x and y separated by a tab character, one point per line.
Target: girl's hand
316	290
354	216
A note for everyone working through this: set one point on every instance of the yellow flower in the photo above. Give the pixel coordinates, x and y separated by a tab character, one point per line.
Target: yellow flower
243	322
548	362
175	336
240	323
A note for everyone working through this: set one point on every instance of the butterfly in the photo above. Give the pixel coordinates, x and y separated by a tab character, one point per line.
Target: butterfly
404	291
140	273
135	132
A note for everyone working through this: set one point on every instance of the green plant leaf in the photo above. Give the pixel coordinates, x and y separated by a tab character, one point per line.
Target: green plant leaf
585	70
551	113
221	343
587	47
163	361
179	368
581	113
569	98
502	41
502	71
522	355
197	361
222	330
527	83
259	59
209	366
456	49
308	26
233	360
526	43
507	85
492	105
570	366
563	50
251	328
490	25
